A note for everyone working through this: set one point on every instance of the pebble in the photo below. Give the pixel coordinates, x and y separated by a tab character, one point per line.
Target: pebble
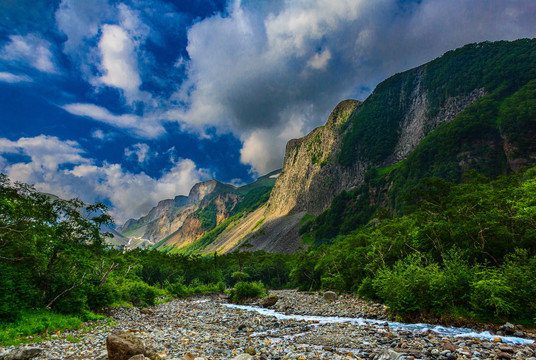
195	330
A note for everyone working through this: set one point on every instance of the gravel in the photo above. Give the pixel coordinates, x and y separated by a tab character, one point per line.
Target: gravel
204	328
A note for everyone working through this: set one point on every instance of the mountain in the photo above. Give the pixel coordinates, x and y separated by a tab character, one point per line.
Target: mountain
176	224
472	108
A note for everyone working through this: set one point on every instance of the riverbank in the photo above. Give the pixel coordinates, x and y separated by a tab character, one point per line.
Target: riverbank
204	328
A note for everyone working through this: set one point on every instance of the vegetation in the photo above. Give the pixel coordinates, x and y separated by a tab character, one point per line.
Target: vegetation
244	290
499	67
468	246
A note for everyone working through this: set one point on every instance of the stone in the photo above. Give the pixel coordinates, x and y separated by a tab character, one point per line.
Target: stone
102	356
138	357
123	346
447	345
503	355
389	354
241	327
330	296
23	353
250	350
146	311
243	357
189	356
506	348
269	301
151	354
497	339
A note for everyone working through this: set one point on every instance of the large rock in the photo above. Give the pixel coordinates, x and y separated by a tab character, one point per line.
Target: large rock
330	296
123	346
389	354
269	301
23	353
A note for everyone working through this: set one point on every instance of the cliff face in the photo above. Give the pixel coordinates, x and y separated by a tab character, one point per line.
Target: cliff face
312	175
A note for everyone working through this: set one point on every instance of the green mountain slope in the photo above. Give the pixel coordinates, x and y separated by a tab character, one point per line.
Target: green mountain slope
471	109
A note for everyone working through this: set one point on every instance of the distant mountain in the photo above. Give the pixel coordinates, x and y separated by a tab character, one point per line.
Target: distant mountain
176	224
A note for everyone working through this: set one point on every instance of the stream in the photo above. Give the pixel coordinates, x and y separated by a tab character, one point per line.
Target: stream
416	328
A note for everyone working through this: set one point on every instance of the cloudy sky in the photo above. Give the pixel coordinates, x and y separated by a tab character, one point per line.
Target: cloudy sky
130	102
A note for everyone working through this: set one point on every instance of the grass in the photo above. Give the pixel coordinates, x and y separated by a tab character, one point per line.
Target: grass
257	224
39	324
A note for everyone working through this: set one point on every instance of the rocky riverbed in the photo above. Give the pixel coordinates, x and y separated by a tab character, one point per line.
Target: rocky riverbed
204	328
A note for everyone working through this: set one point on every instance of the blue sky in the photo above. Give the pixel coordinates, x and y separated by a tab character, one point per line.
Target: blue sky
131	102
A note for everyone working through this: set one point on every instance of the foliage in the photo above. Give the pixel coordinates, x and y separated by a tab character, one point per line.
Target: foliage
500	67
32	322
244	290
469	245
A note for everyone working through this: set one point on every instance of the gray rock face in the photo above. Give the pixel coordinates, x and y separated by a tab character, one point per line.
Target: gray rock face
311	176
23	353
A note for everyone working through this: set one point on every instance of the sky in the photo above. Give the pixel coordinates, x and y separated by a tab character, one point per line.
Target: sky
131	102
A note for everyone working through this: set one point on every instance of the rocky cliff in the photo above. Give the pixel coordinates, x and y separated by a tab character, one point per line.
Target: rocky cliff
312	174
462	111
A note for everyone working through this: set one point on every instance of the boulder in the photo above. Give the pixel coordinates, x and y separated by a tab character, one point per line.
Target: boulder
123	346
389	354
250	350
23	353
330	296
504	355
269	301
447	345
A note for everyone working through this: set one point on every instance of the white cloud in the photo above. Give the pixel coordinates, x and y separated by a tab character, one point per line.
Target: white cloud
30	50
144	127
101	135
59	167
140	151
320	60
13	78
47	151
246	68
119	62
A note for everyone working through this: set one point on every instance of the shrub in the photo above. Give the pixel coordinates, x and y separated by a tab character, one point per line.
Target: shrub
140	293
243	290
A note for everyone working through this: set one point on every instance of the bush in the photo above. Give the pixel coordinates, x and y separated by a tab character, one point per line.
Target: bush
412	285
243	290
140	293
491	294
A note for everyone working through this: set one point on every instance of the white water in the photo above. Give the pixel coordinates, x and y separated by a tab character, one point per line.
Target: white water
417	328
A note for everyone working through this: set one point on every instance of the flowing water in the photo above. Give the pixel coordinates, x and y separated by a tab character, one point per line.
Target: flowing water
416	328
